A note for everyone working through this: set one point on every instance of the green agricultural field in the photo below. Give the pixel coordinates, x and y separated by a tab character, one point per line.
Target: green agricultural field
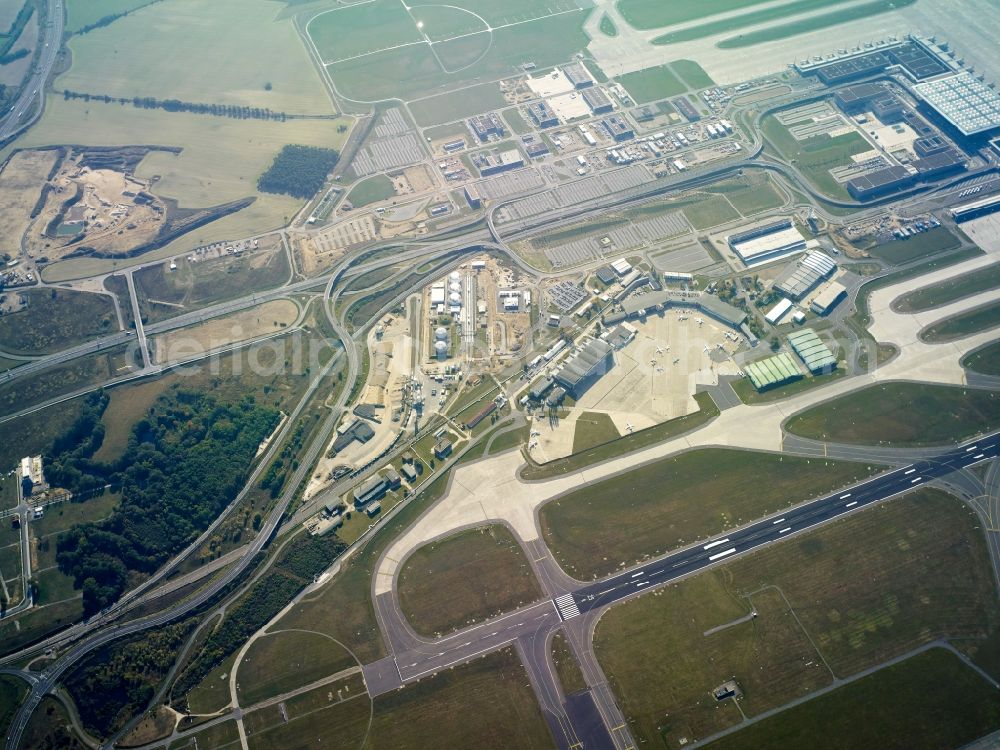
56	320
285	660
937	240
371	190
901	414
965	324
80	13
985	360
414	71
952	290
221	161
241	42
902	707
164	293
465	578
653	512
816	156
814	23
593	429
352	30
648	85
928	576
456	105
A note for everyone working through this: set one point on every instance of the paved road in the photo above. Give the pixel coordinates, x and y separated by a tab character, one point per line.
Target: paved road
414	657
24	112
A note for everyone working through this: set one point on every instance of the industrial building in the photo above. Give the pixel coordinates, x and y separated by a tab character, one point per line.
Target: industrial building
653	302
489	163
473	196
976	209
597	100
372	489
618	128
578	75
855	99
682	105
969	105
829	298
812	351
773	371
585	366
487	126
542	115
443	448
357	430
605	275
621	336
780	310
879	182
539	389
801	277
766	243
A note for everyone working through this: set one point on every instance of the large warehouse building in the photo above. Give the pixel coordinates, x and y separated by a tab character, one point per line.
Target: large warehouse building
584	367
802	276
812	351
773	371
766	243
968	104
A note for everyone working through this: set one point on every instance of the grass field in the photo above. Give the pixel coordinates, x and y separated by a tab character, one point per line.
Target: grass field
937	240
465	578
901	414
319	718
212	693
487	704
819	22
284	660
371	190
224	736
444	108
62	379
653	513
654	14
366	27
899	708
567	668
414	72
930	578
707	212
652	84
671	428
945	292
816	156
56	320
593	429
34	433
220	161
749	194
242	42
985	360
718	26
692	74
164	293
607	26
978	319
80	13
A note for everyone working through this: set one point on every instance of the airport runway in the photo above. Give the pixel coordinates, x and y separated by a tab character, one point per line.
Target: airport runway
415	658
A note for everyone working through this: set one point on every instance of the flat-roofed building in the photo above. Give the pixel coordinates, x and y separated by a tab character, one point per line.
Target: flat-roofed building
766	243
542	114
577	74
597	100
801	277
969	105
780	310
373	488
828	298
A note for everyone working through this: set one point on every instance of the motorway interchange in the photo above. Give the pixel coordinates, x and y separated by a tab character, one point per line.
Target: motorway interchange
592	719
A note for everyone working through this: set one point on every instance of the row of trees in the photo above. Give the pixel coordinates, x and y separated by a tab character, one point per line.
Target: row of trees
176	105
103	21
185	462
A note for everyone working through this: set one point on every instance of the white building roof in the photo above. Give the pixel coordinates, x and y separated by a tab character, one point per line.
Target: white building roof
779	311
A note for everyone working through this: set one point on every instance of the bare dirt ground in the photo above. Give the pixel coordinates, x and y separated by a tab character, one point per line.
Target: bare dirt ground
20	185
317	252
271	317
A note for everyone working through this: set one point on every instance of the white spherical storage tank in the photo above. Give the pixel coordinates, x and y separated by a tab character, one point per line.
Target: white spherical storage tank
455	276
441	349
456	298
441	333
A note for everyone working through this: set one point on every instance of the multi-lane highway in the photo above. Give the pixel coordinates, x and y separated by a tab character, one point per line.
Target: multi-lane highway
24	111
